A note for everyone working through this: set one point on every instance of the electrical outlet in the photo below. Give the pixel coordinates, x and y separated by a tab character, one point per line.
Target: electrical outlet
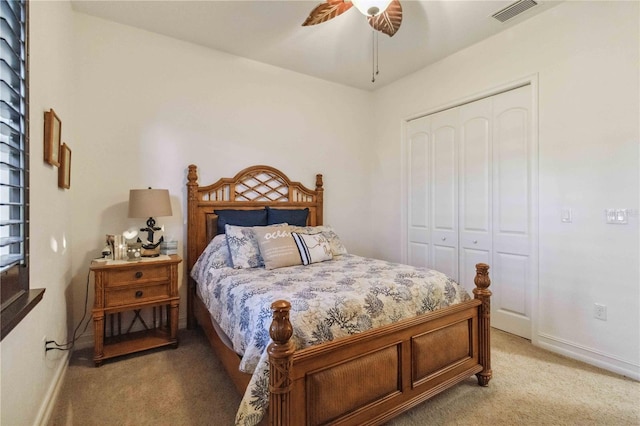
600	311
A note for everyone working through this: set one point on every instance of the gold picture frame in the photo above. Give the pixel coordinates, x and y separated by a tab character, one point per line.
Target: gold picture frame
52	138
64	171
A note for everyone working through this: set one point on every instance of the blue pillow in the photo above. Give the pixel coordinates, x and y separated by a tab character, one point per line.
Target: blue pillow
296	217
240	218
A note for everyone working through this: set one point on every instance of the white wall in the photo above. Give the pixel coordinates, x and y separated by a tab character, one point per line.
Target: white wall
28	377
147	106
586	58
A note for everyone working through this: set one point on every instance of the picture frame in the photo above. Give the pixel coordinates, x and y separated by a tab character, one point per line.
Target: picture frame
52	137
64	171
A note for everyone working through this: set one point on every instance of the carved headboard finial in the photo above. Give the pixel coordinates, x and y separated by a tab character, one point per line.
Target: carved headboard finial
192	175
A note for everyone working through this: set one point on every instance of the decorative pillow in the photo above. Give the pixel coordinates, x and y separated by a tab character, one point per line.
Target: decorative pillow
337	248
296	217
312	248
243	247
277	247
216	255
240	218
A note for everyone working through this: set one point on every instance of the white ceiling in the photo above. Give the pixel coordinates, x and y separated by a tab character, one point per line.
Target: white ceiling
339	50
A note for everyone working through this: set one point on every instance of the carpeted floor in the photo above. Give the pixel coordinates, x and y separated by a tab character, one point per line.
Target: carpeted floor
188	386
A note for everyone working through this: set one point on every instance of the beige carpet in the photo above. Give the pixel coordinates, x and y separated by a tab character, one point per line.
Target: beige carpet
188	386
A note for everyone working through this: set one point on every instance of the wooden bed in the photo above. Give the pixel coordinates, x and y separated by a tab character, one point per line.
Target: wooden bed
367	378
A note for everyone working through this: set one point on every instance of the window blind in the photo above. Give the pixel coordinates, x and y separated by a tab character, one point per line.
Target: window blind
14	159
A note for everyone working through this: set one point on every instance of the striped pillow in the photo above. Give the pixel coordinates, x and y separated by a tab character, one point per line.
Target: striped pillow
313	248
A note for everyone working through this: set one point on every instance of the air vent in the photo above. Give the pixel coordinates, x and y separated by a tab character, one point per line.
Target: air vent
514	9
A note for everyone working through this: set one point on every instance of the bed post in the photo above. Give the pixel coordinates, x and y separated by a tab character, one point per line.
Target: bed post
192	199
280	361
483	293
319	200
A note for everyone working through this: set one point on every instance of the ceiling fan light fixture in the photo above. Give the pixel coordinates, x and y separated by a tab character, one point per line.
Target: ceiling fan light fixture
371	7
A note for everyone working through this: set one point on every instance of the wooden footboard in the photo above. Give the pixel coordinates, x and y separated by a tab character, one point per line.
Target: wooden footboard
374	376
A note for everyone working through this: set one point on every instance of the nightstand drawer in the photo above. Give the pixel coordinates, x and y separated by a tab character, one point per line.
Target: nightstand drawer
140	275
133	295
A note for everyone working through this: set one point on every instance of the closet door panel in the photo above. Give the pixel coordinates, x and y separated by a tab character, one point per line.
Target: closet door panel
444	179
512	270
512	167
510	309
418	209
419	254
445	260
444	192
475	188
512	223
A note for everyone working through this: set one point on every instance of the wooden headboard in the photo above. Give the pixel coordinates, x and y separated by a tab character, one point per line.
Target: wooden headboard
255	187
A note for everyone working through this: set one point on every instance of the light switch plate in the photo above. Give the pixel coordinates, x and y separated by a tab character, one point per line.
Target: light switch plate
617	216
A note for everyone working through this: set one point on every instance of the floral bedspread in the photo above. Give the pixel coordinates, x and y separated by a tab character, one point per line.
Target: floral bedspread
329	300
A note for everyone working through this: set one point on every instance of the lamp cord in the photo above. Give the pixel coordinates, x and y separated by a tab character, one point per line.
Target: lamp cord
67	346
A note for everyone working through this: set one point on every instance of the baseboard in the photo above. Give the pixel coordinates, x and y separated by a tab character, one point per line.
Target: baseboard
50	398
589	356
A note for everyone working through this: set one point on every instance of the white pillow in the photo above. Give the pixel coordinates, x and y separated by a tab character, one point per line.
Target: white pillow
312	248
337	248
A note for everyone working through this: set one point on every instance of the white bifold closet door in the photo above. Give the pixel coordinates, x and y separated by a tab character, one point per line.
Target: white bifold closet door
433	192
470	200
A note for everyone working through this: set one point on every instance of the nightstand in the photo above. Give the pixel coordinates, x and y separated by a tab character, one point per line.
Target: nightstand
134	286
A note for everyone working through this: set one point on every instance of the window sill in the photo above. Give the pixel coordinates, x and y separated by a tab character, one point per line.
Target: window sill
18	309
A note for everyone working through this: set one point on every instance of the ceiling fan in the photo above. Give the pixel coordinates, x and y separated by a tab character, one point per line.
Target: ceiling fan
383	15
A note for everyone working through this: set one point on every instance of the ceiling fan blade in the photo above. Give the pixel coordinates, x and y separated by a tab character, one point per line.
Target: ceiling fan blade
388	21
325	11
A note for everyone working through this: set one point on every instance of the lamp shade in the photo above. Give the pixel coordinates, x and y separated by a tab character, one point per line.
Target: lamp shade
149	203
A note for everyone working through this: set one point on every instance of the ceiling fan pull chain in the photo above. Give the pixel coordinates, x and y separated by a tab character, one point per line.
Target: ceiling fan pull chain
377	53
373	56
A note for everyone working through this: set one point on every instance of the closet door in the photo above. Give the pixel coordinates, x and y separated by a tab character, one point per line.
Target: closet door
471	199
512	207
419	152
475	222
444	192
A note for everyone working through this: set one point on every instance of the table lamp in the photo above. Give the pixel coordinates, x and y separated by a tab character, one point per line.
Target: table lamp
150	203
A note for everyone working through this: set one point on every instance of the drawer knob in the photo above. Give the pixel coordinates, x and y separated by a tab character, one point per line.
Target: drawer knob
138	293
139	274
